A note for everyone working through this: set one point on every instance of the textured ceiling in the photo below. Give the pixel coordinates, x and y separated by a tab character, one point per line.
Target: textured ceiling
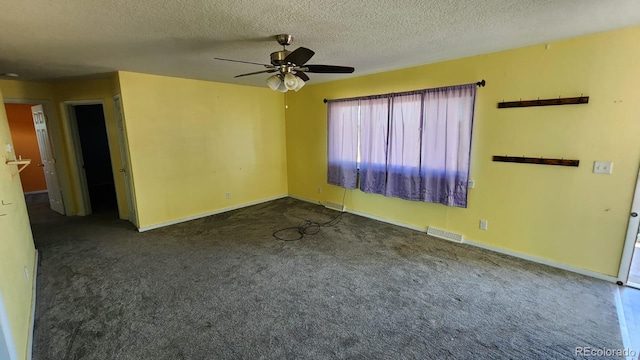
55	39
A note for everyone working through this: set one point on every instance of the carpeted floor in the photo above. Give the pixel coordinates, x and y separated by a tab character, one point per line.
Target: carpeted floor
223	288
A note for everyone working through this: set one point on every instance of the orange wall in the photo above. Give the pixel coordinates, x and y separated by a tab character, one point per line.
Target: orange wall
23	134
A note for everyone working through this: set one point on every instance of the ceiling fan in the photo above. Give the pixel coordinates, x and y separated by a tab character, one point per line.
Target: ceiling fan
291	66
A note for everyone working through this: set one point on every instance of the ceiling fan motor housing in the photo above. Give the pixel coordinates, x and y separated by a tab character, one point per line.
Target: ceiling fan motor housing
277	58
288	64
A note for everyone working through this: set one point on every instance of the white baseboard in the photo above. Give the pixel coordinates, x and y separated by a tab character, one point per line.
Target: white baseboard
34	277
199	216
535	259
538	260
36	192
316	202
369	216
388	221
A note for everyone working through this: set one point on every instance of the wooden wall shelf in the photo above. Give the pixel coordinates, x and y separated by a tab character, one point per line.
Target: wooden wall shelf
23	162
544	102
540	161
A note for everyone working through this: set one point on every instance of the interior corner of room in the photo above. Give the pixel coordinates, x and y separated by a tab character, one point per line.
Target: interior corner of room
179	149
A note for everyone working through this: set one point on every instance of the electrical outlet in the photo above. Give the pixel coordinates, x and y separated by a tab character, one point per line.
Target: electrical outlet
602	167
471	184
228	195
319	190
8	147
483	224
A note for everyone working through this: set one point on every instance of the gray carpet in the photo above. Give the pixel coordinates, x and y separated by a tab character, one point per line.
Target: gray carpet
223	288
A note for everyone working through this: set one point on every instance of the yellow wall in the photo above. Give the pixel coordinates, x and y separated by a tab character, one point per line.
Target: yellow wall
32	90
16	246
193	141
562	214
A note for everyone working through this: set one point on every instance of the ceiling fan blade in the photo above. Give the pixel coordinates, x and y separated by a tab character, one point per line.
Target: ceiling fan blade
302	75
257	72
329	69
299	56
246	62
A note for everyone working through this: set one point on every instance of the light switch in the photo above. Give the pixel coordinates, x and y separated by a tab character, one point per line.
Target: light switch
8	147
483	224
602	167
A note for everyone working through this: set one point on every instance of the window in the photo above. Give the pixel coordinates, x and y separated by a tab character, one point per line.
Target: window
413	145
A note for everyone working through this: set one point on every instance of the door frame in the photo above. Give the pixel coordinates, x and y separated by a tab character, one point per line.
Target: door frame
57	146
631	237
84	201
132	211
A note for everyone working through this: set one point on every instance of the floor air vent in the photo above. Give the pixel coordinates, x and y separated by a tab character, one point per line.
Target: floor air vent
442	234
333	206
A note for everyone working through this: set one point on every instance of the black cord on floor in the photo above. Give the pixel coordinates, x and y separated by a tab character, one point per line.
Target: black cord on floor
309	227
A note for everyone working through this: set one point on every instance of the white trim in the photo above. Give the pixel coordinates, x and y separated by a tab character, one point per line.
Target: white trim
631	236
392	222
5	326
36	192
498	250
355	212
125	160
69	115
316	202
34	276
622	320
535	259
538	260
632	285
199	216
84	102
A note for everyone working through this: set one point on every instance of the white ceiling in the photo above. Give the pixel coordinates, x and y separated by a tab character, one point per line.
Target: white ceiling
56	39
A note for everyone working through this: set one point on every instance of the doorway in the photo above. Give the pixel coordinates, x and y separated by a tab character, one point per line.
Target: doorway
629	272
94	157
25	146
29	127
634	270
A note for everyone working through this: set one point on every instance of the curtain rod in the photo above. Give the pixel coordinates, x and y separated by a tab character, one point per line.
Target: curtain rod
480	83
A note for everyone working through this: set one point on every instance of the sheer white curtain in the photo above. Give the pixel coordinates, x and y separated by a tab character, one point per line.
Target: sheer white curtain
374	132
446	144
342	143
413	145
403	174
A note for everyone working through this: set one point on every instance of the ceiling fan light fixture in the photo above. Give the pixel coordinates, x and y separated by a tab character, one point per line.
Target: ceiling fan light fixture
282	88
290	67
291	81
274	82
